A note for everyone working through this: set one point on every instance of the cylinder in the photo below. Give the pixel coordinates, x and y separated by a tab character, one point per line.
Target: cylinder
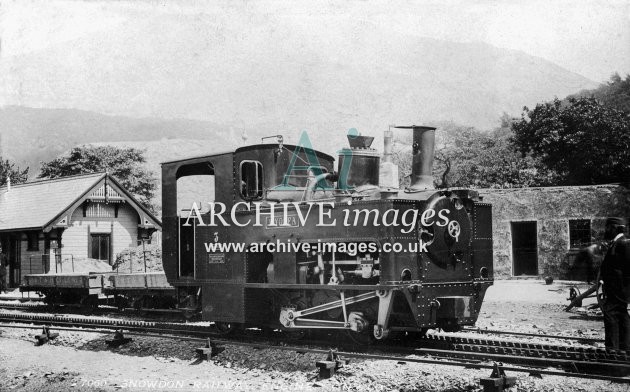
422	159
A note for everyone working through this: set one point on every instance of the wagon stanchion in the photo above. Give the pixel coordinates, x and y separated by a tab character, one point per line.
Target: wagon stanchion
144	255
58	258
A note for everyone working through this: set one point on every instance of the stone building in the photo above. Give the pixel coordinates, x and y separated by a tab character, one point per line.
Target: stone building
47	225
537	231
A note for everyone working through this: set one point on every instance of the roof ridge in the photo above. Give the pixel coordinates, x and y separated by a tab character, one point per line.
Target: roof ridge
58	179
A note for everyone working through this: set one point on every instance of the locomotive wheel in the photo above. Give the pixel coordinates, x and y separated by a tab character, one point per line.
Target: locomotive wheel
451	328
224	328
297	334
364	338
189	314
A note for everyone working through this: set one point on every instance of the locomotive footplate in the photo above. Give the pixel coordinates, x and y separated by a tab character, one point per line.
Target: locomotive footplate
450	312
448	306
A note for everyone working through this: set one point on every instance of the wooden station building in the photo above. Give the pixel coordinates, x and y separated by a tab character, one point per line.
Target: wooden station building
47	225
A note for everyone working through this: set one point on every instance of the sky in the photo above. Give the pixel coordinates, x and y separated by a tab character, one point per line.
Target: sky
591	38
270	64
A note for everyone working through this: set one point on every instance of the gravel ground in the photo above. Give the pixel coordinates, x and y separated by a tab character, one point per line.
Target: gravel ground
81	360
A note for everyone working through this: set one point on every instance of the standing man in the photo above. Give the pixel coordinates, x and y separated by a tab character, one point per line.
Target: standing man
615	274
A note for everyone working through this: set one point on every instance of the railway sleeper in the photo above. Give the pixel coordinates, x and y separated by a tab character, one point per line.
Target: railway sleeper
210	350
118	340
498	381
329	366
45	336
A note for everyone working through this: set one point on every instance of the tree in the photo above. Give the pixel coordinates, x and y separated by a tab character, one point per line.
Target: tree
467	157
584	141
126	164
9	170
614	94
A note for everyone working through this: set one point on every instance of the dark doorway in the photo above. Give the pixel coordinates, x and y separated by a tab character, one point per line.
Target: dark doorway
14	262
186	247
524	248
100	247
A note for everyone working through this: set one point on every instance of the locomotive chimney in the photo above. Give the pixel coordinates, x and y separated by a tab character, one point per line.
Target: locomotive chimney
422	163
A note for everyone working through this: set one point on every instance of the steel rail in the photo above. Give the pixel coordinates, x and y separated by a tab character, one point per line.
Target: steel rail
459	344
445	361
497	332
534	349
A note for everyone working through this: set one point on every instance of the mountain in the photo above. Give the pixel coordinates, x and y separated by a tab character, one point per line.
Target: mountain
214	76
150	75
30	136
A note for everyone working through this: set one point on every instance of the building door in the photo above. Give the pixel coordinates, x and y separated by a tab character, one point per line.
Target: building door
524	248
100	247
15	275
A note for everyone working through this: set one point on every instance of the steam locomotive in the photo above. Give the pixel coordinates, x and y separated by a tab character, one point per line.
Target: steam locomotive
382	260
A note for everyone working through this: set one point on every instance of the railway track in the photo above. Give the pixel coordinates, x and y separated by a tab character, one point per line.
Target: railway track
38	306
28	305
536	335
571	361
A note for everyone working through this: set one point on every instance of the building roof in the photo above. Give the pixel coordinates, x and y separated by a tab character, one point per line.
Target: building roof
39	204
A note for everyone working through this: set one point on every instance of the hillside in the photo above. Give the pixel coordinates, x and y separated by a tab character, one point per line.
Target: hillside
232	74
30	136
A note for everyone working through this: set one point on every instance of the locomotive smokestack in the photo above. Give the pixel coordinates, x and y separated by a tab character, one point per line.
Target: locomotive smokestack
422	163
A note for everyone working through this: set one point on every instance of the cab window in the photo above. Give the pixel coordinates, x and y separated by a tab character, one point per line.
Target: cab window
251	180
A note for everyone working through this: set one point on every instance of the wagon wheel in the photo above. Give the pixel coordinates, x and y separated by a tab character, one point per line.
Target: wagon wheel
51	300
89	303
121	302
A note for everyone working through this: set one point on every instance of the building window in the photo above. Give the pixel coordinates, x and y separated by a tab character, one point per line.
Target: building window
251	180
100	246
33	241
579	233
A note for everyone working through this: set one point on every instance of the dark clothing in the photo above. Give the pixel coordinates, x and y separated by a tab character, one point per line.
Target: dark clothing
616	325
615	272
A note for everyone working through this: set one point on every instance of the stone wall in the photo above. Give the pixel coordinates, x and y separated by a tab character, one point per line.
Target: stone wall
551	208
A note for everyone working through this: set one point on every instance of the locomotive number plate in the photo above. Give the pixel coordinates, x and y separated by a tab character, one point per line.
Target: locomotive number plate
216	258
279	222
